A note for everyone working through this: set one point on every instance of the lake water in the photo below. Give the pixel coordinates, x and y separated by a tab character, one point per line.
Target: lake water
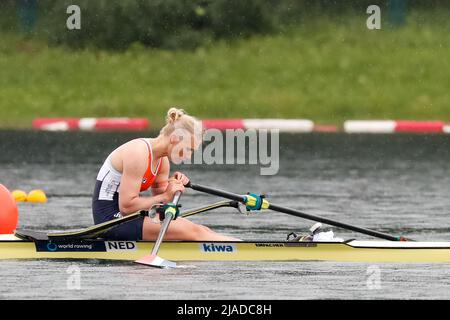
396	184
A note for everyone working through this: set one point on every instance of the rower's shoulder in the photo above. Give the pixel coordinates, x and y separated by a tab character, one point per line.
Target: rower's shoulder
133	152
133	147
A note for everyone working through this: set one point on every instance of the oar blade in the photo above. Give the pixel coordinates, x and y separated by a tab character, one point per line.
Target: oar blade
156	261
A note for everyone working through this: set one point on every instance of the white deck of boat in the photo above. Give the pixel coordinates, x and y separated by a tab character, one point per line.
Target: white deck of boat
8	237
354	243
399	244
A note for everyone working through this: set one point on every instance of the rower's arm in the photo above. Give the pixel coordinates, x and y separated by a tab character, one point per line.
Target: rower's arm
130	184
161	181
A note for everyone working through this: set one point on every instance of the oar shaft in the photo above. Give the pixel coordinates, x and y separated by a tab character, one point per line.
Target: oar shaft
216	192
240	198
176	198
333	223
165	225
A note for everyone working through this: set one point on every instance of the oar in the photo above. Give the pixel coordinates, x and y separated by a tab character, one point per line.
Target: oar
297	213
97	230
153	259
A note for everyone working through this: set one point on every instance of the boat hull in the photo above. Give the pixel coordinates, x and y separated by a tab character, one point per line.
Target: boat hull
353	251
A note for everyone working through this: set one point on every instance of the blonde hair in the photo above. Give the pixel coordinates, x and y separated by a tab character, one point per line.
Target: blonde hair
179	119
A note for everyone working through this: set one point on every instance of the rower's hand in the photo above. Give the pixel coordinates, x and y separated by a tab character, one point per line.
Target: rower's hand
173	187
181	177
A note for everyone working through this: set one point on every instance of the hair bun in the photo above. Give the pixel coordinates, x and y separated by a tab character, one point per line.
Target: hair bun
177	118
174	114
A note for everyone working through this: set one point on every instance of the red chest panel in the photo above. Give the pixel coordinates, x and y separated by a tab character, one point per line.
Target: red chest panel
149	177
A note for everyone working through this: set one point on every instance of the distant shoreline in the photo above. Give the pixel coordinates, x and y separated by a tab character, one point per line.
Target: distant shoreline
327	72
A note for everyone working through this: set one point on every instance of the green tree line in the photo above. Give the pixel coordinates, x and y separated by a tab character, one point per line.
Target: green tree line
173	24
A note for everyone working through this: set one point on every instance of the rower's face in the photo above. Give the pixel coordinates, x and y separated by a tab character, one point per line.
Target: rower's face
182	147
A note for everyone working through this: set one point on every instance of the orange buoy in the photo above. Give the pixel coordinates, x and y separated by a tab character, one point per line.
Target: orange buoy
9	214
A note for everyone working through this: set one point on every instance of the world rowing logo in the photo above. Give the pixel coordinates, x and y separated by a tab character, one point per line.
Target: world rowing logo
70	246
52	247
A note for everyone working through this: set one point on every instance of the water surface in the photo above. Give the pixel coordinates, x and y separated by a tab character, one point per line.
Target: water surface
396	184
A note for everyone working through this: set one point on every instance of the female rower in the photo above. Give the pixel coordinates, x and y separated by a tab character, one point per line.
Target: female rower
144	163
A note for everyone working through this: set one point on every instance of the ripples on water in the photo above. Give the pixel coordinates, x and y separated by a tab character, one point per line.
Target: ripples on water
395	184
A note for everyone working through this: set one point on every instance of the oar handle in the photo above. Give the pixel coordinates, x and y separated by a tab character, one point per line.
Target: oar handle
217	192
